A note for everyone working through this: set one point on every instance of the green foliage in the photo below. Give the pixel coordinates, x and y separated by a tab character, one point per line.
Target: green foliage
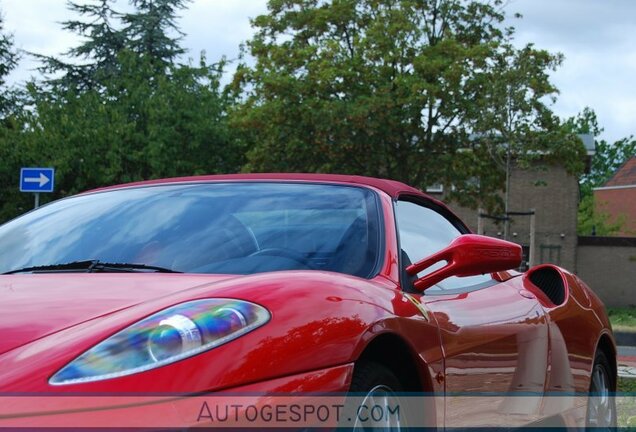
622	317
8	61
8	54
128	112
592	221
512	121
627	385
511	118
9	126
133	129
608	157
148	29
12	202
392	88
96	58
423	91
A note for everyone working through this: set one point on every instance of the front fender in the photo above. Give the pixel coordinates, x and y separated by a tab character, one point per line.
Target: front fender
319	319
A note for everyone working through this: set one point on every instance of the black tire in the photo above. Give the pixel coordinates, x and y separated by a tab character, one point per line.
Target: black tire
368	375
373	384
601	412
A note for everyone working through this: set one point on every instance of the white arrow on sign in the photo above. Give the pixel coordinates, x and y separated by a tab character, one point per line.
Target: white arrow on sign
42	180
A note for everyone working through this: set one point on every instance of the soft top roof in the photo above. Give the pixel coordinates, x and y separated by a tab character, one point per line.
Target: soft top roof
391	187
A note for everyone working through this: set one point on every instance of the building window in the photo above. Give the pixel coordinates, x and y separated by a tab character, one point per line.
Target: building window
551	254
436	188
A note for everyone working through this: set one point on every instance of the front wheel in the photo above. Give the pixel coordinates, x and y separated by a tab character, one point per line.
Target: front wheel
373	401
601	406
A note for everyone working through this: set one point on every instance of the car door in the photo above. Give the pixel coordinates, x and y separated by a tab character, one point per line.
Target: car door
494	334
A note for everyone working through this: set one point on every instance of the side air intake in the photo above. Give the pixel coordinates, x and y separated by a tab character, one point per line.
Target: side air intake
549	280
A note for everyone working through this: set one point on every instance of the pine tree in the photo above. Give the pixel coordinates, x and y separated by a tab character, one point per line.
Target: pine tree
8	61
149	32
10	128
152	32
94	61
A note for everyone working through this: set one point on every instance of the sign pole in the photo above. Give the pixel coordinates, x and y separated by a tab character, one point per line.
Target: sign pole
37	199
532	254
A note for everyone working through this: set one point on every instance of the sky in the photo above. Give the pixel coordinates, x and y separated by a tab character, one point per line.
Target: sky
597	38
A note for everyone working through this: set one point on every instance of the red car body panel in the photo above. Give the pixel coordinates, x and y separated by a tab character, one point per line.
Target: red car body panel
23	303
502	338
161	412
316	308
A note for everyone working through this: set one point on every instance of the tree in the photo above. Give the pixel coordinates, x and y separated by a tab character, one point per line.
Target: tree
8	61
123	109
189	132
387	88
512	121
10	128
592	221
132	129
95	60
152	32
607	159
176	123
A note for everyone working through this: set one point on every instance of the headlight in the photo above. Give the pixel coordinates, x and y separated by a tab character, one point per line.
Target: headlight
168	336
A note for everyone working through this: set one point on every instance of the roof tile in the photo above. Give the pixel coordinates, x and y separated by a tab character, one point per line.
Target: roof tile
625	176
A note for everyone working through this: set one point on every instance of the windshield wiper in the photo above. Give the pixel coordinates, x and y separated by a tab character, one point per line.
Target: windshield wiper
92	266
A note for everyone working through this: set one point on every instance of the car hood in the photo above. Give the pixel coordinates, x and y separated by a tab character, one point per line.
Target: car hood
33	306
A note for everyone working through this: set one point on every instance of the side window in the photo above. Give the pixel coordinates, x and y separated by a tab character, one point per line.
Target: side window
422	232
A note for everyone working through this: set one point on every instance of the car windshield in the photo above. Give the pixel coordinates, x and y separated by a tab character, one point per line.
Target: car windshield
228	228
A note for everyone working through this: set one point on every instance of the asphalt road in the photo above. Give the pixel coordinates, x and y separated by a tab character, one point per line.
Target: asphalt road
627	351
627	361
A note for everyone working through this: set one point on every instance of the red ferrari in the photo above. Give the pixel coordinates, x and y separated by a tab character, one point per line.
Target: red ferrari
292	284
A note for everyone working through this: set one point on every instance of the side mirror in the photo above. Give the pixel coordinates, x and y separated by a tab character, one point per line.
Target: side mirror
467	255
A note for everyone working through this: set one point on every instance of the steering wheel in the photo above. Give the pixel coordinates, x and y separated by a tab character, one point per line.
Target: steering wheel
285	253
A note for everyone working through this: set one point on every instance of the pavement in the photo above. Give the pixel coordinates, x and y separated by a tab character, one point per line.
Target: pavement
627	361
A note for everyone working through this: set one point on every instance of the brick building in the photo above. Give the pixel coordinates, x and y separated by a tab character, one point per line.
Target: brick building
617	198
553	194
606	264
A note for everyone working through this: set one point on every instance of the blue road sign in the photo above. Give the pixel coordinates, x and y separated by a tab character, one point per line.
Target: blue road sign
37	179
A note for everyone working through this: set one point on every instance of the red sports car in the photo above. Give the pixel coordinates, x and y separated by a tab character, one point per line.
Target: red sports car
289	284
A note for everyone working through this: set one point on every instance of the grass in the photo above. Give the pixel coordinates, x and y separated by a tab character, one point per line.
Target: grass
625	405
623	318
626	385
